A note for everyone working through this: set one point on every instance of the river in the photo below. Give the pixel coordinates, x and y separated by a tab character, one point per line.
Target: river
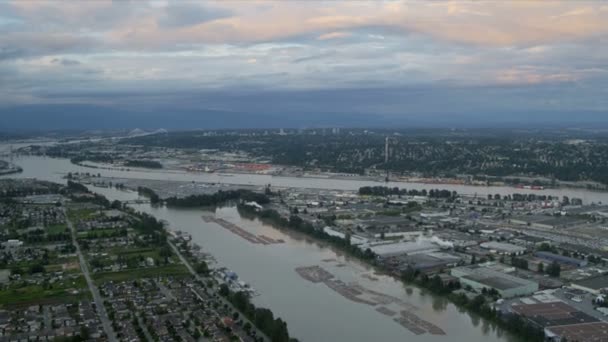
313	311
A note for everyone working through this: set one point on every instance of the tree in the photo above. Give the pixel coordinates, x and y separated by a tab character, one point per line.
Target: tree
541	268
224	290
36	268
474	259
202	268
554	269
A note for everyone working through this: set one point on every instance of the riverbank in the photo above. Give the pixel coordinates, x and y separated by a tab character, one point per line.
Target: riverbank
477	181
479	305
266	266
10	171
7	168
270	328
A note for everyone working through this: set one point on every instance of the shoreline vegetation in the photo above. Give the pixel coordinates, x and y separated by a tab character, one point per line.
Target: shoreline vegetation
7	168
482	181
11	171
479	305
274	327
215	199
146	164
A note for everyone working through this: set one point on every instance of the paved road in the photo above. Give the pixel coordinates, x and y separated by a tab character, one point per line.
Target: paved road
259	333
144	328
101	309
47	317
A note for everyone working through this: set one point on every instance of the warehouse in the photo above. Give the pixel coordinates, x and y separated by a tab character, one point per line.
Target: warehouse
502	248
561	259
506	285
552	314
428	262
406	247
594	285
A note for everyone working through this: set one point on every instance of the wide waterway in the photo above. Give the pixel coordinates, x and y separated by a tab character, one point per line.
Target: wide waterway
313	311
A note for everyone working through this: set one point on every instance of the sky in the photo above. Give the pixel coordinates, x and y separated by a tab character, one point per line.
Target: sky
302	62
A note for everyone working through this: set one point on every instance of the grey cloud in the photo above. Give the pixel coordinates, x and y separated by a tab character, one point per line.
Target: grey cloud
65	61
189	14
313	57
7	53
30	44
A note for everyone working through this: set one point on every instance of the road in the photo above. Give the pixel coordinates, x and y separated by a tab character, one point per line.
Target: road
101	309
144	328
258	332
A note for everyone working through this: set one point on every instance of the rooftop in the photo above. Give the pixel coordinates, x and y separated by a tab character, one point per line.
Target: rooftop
596	332
595	283
552	314
496	282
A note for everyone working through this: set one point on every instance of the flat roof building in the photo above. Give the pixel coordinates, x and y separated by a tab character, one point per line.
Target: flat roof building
429	262
552	314
407	247
596	332
502	248
594	285
479	277
561	259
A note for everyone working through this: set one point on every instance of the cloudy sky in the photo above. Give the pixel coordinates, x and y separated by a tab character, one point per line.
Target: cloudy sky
392	59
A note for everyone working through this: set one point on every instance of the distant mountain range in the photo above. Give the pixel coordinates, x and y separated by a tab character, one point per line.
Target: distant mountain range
83	117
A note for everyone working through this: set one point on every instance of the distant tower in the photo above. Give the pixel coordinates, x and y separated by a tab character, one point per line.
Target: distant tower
386	150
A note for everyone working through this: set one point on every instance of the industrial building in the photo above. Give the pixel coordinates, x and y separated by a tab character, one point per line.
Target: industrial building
597	331
561	259
479	277
354	239
503	248
429	262
552	314
405	247
594	285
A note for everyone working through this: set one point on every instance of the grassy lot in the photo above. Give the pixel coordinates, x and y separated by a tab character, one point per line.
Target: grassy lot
99	232
60	292
177	270
135	252
57	229
81	214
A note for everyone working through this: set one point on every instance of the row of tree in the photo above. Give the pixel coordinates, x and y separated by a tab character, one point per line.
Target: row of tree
217	198
296	223
149	164
386	191
274	328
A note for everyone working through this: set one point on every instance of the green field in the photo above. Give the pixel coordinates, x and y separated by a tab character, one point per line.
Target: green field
57	229
177	270
99	232
60	292
80	214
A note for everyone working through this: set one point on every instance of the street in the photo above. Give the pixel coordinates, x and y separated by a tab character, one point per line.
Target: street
101	310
